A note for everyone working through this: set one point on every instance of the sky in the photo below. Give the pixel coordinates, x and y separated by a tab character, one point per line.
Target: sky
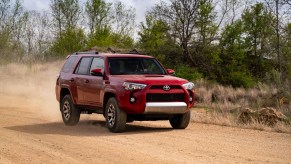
141	6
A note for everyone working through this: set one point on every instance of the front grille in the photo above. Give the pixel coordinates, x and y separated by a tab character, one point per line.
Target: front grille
161	87
177	97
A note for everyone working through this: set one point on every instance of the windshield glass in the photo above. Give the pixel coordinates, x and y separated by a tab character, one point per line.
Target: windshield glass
131	65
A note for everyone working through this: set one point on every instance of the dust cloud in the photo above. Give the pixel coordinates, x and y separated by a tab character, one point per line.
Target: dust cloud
30	87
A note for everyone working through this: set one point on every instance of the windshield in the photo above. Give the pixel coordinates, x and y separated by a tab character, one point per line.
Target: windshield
131	65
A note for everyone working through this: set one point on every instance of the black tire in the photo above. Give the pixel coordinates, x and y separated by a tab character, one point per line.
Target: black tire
70	113
115	117
180	121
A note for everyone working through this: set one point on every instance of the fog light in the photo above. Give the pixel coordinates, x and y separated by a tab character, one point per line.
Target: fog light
191	99
132	99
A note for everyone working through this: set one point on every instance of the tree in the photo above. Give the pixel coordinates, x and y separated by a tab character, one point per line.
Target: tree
233	67
71	11
202	50
155	39
98	15
181	17
69	38
72	40
12	19
279	8
124	19
109	26
36	36
286	54
257	26
191	23
153	34
57	16
66	14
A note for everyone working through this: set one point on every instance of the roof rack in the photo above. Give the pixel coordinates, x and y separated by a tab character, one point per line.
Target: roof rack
111	50
87	52
133	51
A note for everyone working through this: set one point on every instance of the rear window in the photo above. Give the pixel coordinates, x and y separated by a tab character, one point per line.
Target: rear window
83	68
69	63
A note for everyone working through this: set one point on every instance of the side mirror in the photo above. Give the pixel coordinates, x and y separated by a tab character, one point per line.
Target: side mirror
171	72
97	72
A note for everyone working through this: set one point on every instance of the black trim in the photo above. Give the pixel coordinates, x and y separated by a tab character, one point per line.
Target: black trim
93	52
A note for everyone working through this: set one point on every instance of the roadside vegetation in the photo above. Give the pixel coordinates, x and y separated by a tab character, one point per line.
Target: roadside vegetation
237	52
226	105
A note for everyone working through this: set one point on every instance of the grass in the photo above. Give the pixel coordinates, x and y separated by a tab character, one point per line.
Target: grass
221	105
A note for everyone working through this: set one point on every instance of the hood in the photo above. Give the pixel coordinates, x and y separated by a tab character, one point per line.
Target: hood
152	79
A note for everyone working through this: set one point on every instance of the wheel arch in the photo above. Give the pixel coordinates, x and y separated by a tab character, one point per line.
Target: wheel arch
64	92
106	97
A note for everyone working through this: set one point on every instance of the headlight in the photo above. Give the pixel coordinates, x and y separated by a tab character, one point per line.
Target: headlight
188	86
133	86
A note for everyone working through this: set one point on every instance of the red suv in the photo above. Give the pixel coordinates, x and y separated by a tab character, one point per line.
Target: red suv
124	88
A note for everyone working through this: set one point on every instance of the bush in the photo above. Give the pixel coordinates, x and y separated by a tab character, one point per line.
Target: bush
70	41
240	79
273	78
188	73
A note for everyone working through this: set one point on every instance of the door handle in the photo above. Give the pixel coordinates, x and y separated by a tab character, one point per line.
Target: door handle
72	80
86	81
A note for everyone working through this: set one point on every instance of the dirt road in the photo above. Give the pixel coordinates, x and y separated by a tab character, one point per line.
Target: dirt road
31	131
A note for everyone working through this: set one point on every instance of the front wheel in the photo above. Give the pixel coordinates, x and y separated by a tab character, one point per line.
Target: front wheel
70	113
180	121
115	117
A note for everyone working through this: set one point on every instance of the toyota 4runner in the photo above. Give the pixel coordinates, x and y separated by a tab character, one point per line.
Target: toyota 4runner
124	88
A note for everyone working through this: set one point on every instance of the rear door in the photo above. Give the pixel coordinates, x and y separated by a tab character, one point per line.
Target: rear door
82	74
66	78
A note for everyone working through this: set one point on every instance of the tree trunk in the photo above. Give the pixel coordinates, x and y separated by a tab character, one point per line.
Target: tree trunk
278	40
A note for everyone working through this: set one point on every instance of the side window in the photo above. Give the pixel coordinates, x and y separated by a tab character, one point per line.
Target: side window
83	68
97	63
69	63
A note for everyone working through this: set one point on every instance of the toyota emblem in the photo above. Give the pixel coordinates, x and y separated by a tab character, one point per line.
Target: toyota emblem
166	88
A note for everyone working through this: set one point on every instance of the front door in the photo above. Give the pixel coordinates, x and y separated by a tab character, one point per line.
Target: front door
94	84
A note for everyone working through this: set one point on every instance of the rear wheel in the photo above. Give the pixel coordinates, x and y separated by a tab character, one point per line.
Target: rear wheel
180	121
70	113
115	117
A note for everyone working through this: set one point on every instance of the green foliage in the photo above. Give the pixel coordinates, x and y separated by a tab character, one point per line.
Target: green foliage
155	39
5	47
153	34
4	39
122	41
273	78
239	79
188	73
245	48
97	12
205	21
286	55
65	14
12	20
72	40
106	38
258	36
100	37
232	68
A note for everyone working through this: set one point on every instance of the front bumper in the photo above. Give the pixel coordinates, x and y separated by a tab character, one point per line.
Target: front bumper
165	108
158	102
